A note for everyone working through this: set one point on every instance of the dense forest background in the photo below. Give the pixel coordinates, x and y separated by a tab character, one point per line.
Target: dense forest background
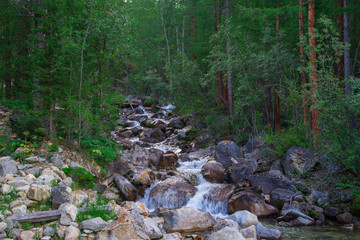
286	70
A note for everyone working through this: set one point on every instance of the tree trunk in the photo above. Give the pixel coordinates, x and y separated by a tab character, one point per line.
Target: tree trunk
340	24
302	56
277	97
159	43
228	53
347	60
313	84
183	36
166	38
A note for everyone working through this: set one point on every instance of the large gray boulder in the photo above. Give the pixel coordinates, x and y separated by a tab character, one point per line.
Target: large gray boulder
227	233
187	219
244	218
60	195
94	224
7	167
298	161
280	196
228	153
242	170
269	181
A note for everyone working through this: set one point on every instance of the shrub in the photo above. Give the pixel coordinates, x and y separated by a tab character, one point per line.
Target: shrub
82	178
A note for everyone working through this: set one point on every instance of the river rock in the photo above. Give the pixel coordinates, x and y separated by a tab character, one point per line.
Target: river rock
242	170
213	172
244	218
57	161
72	233
176	123
155	156
143	176
94	224
123	228
345	218
269	181
298	161
318	197
221	193
226	233
249	232
251	202
119	167
300	221
60	195
169	161
204	140
225	223
38	193
148	225
138	206
332	211
280	196
172	236
49	231
266	233
187	219
179	188
153	135
293	211
7	167
228	153
68	213
126	188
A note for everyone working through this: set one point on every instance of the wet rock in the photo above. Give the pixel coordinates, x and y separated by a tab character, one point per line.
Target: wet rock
227	233
187	219
176	123
7	167
301	221
269	181
178	188
221	193
60	195
250	202
126	188
38	193
346	195
94	224
213	172
72	233
280	196
123	228
244	218
345	218
228	153
332	211
242	170
68	214
266	233
169	161
291	212
298	161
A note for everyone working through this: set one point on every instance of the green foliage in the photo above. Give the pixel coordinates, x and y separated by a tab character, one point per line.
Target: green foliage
98	208
283	141
81	177
6	199
102	149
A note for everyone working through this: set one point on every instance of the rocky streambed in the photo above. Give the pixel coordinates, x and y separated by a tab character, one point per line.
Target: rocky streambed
170	183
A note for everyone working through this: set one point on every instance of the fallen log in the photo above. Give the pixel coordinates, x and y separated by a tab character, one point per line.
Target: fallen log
36	216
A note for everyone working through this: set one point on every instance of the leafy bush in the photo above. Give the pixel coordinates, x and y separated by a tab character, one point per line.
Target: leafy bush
287	138
82	178
102	149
